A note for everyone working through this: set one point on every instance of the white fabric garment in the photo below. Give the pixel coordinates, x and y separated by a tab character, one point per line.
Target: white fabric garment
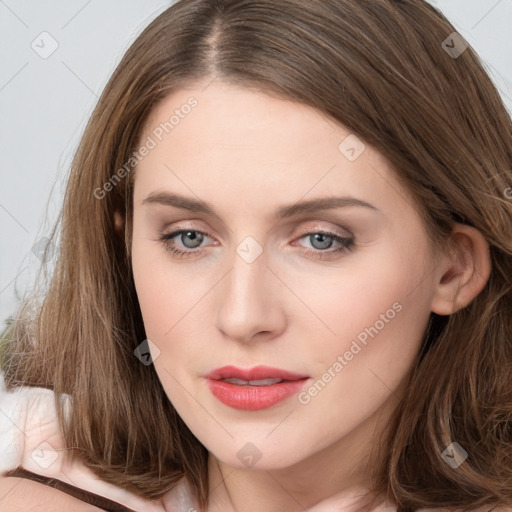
30	436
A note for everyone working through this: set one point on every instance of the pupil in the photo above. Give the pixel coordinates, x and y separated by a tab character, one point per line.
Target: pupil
319	237
195	236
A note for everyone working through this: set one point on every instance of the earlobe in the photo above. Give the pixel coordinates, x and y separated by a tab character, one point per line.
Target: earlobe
119	222
463	270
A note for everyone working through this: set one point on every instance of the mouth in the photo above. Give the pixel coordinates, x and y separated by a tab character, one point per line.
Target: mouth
258	373
260	382
254	389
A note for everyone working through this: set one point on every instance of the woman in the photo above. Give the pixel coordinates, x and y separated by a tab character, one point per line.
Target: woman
284	278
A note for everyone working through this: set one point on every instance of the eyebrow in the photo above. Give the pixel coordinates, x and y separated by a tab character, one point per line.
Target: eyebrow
302	207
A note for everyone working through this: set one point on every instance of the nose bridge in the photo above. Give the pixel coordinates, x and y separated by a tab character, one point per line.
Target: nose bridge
247	303
247	279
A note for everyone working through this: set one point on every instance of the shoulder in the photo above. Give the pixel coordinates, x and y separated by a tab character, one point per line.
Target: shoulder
29	429
19	494
31	437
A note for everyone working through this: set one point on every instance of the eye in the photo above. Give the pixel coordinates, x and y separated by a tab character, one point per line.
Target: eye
321	241
189	240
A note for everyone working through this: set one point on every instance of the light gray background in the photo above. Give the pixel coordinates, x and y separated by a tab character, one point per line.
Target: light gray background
45	102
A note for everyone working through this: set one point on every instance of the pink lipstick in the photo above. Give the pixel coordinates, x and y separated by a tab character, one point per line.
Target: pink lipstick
253	389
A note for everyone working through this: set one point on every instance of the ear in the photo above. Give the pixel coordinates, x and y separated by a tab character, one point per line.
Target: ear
463	270
119	222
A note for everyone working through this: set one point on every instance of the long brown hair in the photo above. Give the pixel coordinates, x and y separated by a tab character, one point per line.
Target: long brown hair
383	69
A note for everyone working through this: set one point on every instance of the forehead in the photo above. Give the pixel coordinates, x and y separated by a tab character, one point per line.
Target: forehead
257	148
247	116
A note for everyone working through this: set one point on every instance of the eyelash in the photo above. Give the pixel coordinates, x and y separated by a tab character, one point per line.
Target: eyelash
347	247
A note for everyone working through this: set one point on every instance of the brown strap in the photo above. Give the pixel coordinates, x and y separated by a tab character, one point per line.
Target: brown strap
80	494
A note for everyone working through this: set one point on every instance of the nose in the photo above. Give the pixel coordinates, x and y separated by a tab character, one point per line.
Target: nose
250	302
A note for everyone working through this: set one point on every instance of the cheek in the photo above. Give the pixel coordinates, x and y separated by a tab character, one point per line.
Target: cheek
353	297
373	316
170	301
157	293
147	285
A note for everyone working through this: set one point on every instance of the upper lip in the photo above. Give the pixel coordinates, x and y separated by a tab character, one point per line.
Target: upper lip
256	373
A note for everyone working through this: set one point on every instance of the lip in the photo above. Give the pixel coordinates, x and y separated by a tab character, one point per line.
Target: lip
254	398
256	373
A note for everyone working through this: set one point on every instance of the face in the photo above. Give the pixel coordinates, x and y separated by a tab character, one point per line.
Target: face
339	294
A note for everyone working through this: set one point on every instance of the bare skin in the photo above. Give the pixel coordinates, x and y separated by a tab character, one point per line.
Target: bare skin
298	305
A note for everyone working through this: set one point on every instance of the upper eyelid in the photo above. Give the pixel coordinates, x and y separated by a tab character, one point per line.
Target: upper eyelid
307	231
327	231
303	231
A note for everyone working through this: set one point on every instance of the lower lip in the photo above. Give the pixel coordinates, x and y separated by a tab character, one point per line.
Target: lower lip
254	398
